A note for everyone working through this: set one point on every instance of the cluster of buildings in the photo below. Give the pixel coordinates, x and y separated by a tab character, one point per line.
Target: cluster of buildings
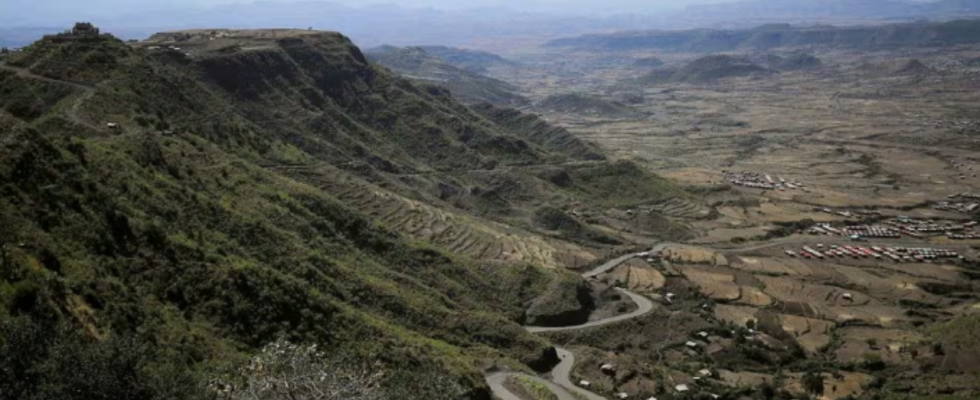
964	169
850	214
971	196
956	206
897	254
895	228
761	181
916	228
157	48
965	235
856	232
610	370
970	202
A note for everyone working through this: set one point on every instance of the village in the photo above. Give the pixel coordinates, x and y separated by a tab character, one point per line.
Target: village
897	254
901	226
762	181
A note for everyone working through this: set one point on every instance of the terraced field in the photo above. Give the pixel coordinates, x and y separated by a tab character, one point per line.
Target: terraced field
812	334
681	208
456	232
638	276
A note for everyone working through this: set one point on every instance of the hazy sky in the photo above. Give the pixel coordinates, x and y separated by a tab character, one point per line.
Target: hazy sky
12	11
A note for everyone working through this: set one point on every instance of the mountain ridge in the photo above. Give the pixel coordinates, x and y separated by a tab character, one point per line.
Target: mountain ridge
782	35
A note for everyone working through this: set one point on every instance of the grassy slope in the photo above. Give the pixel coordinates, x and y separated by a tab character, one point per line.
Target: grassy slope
540	132
191	226
188	241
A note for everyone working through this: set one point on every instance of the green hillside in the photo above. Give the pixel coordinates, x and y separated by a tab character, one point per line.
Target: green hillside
540	132
187	200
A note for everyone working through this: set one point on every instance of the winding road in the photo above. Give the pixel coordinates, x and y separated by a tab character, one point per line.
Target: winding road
561	382
73	112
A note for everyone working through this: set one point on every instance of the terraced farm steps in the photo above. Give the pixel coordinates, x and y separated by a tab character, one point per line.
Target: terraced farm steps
456	232
681	208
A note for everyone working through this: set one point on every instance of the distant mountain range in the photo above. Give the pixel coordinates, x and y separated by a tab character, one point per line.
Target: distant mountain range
784	35
848	9
457	74
375	25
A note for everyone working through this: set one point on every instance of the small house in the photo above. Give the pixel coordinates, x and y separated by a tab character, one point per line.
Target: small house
585	383
622	395
682	388
705	372
692	345
608	369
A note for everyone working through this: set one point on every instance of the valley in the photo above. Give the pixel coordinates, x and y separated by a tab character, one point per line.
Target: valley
775	142
747	214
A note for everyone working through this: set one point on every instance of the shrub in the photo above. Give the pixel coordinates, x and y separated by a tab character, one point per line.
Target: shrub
57	362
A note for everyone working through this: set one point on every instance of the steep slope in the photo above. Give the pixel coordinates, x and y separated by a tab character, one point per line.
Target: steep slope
469	86
540	132
211	191
183	236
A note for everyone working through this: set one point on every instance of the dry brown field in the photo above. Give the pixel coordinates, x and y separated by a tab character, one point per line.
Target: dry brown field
848	384
886	343
857	138
638	276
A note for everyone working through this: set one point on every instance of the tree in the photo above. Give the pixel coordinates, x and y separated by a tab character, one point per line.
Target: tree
56	361
750	324
873	362
283	370
767	391
813	383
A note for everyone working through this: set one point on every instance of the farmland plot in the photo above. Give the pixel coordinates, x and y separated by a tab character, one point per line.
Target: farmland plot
893	287
716	283
812	334
762	265
738	315
859	341
848	384
638	276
